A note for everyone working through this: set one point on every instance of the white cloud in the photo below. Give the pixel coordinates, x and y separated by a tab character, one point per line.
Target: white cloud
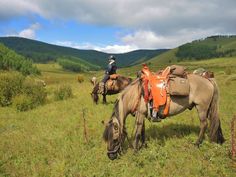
116	48
156	23
143	39
160	16
107	49
151	40
13	8
29	32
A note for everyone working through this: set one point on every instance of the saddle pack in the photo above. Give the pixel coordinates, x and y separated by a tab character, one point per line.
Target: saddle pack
114	76
159	86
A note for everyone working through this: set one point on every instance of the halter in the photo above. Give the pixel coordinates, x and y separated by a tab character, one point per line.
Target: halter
118	147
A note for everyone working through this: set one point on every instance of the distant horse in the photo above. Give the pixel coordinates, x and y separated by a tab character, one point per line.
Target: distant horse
93	80
113	86
204	73
203	95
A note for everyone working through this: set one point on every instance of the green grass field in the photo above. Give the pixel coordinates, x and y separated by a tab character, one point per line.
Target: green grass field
49	140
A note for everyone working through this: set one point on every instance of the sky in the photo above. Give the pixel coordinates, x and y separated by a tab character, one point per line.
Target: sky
117	26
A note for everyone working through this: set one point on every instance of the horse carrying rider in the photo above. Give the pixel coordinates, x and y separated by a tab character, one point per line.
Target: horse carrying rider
111	69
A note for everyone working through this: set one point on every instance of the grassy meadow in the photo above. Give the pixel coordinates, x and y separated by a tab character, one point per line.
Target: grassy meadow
50	141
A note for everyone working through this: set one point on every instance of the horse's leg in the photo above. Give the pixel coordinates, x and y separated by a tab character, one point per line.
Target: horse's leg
202	113
104	99
143	135
139	131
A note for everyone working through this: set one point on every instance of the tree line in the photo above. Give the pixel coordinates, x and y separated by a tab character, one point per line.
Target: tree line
201	51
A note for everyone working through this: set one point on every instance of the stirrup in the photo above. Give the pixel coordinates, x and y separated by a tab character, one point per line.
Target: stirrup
155	117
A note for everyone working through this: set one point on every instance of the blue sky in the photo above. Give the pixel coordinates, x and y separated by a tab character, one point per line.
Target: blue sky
117	25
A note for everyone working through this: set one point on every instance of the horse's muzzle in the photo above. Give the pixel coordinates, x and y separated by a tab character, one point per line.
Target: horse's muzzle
112	155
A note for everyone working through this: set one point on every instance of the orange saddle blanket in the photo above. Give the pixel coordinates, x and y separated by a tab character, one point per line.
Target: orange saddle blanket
155	88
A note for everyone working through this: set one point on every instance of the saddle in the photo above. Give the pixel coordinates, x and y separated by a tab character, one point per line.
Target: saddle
158	88
114	76
111	83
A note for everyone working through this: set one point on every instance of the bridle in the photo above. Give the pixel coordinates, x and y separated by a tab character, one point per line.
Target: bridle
117	149
118	146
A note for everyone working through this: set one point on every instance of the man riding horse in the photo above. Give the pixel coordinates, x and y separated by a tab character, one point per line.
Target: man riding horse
111	83
111	69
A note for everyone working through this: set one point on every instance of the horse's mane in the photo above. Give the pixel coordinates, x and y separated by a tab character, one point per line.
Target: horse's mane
107	132
108	129
123	92
120	97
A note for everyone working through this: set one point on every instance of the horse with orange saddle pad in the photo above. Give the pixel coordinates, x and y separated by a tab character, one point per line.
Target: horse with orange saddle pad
155	91
159	86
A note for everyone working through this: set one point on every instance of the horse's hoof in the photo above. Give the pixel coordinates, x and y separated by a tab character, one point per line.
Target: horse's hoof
145	145
135	151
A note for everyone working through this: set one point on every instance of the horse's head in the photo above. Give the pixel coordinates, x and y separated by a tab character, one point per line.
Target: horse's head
93	81
112	136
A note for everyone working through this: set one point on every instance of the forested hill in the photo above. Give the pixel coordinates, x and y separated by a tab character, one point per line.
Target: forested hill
43	52
210	47
10	60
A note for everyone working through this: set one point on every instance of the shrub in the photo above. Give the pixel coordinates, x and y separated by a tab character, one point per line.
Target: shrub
36	91
228	71
23	102
11	84
63	92
80	78
24	93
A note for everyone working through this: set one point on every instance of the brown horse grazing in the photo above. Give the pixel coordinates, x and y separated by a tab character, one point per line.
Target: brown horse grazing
203	95
113	86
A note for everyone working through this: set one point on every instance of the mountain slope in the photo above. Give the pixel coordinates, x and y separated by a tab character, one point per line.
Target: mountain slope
210	47
226	47
42	52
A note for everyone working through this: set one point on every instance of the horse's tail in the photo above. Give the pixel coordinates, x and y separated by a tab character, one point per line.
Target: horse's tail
216	134
94	93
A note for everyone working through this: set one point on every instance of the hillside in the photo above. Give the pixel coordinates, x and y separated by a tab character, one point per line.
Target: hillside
210	47
10	60
41	52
